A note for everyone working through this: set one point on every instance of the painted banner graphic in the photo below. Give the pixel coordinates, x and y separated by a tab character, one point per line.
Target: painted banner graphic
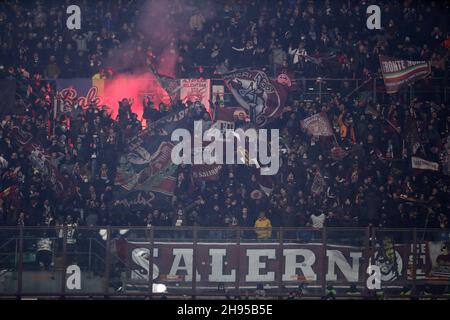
172	86
146	163
260	262
254	89
398	73
292	263
317	125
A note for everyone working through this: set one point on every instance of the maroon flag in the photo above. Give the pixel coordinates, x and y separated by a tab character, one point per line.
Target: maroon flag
317	125
285	77
145	164
8	192
254	89
172	86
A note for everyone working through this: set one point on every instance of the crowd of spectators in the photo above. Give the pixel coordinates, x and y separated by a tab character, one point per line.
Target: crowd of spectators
214	36
369	183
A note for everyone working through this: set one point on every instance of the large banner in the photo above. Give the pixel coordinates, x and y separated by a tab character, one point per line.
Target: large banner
81	91
146	164
108	92
218	262
146	175
254	89
398	73
317	125
171	86
195	90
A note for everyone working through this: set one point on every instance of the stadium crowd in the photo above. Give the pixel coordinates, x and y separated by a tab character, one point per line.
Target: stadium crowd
210	37
368	182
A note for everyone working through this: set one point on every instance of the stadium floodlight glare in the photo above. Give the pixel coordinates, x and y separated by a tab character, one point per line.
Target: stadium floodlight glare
104	234
159	288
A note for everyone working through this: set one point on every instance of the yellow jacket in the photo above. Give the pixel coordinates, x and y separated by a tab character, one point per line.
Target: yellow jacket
264	225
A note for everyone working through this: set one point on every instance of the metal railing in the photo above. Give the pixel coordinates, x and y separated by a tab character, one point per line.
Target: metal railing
220	262
321	89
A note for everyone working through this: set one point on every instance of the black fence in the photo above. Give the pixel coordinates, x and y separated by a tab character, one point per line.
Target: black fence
71	261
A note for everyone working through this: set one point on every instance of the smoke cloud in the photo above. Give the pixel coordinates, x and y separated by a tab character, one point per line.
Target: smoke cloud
161	25
134	87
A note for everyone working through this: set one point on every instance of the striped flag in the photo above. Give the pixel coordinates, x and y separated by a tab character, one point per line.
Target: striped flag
398	73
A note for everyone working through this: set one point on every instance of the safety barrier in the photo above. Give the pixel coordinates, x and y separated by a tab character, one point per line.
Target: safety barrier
349	263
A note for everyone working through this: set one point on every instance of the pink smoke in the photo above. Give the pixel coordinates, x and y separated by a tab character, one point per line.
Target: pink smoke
134	87
160	27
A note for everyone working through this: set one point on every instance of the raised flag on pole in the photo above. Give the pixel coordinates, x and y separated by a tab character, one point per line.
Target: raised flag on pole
170	85
419	163
254	89
398	73
317	125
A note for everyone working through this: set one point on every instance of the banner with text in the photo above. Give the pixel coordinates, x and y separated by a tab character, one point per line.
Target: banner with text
398	73
195	90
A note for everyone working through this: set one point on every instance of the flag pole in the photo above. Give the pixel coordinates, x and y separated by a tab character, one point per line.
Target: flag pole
359	87
158	77
335	140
